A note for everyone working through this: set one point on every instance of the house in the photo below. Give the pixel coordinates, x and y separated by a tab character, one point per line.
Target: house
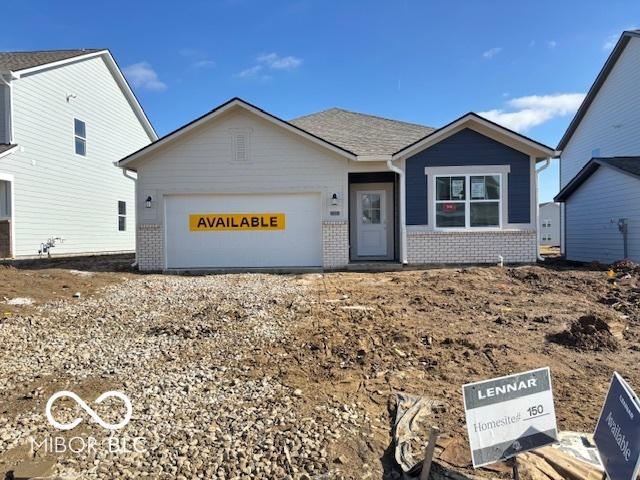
65	117
549	224
600	192
602	208
242	188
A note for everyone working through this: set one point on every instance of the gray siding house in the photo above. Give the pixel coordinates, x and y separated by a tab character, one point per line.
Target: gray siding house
65	117
602	205
242	188
600	190
549	224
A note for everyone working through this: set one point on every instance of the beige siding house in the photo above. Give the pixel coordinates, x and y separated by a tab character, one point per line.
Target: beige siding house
66	117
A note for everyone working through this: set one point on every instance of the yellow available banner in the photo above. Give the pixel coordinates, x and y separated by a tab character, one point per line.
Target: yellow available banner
206	222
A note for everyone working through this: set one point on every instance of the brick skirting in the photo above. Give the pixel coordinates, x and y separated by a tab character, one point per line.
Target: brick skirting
515	246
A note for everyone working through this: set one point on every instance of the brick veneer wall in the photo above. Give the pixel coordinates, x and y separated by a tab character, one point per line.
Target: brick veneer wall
150	247
515	246
335	244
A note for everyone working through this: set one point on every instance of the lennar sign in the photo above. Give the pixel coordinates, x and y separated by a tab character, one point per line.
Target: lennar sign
509	415
203	222
617	434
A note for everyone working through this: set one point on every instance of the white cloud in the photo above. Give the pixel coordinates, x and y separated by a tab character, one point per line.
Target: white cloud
524	113
144	76
251	71
552	44
203	64
492	52
269	61
612	39
276	62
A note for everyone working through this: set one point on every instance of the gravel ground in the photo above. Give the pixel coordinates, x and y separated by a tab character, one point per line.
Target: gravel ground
180	348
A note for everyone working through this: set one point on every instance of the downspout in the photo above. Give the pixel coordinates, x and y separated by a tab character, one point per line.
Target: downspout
9	113
125	172
403	211
538	170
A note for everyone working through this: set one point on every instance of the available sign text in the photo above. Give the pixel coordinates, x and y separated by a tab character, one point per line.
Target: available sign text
617	434
200	222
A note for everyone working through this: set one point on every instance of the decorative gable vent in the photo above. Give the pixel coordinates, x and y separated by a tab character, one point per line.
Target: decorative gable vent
241	143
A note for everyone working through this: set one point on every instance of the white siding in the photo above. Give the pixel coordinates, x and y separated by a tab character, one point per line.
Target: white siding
592	217
59	193
612	122
279	162
549	212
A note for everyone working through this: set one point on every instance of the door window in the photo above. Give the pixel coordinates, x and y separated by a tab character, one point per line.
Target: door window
371	212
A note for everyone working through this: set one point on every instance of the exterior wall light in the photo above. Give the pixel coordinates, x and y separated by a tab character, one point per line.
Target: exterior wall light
148	202
334	199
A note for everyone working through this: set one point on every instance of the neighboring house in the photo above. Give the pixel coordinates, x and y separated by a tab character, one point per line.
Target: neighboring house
65	117
239	187
600	149
602	208
549	224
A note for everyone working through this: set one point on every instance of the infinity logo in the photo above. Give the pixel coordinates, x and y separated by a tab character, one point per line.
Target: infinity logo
89	410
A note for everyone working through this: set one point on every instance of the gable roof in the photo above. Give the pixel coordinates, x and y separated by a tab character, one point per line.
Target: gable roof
508	137
597	85
360	133
232	103
16	61
626	165
19	64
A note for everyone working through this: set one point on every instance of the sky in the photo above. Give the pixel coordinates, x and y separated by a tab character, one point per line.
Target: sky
526	65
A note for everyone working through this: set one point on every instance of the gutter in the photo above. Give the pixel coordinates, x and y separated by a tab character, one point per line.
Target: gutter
547	162
125	172
403	211
9	119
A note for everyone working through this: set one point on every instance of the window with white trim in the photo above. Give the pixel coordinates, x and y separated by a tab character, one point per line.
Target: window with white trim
80	137
546	223
468	201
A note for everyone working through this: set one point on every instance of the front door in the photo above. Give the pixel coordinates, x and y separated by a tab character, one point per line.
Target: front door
371	223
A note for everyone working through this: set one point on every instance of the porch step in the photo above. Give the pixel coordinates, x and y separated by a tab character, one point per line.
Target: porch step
374	266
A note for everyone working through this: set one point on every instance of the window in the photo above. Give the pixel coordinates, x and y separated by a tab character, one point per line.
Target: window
467	201
80	136
546	224
122	216
371	208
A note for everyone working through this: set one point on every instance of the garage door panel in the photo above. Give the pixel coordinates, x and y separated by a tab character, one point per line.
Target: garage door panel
299	244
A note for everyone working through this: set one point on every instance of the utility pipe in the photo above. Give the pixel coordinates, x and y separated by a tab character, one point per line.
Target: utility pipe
538	170
403	211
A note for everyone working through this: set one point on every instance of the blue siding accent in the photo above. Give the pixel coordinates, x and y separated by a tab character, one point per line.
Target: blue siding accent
468	147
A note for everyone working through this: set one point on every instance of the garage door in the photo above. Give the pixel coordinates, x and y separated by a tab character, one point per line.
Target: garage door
227	231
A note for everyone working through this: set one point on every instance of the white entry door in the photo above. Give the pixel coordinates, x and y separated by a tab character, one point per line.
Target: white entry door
372	223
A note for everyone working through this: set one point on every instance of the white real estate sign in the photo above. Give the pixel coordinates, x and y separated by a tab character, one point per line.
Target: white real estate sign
509	415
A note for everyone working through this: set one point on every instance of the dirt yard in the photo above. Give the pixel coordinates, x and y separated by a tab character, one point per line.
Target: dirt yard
275	376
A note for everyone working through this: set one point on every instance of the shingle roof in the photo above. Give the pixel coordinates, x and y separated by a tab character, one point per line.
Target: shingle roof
629	165
5	146
15	61
361	134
